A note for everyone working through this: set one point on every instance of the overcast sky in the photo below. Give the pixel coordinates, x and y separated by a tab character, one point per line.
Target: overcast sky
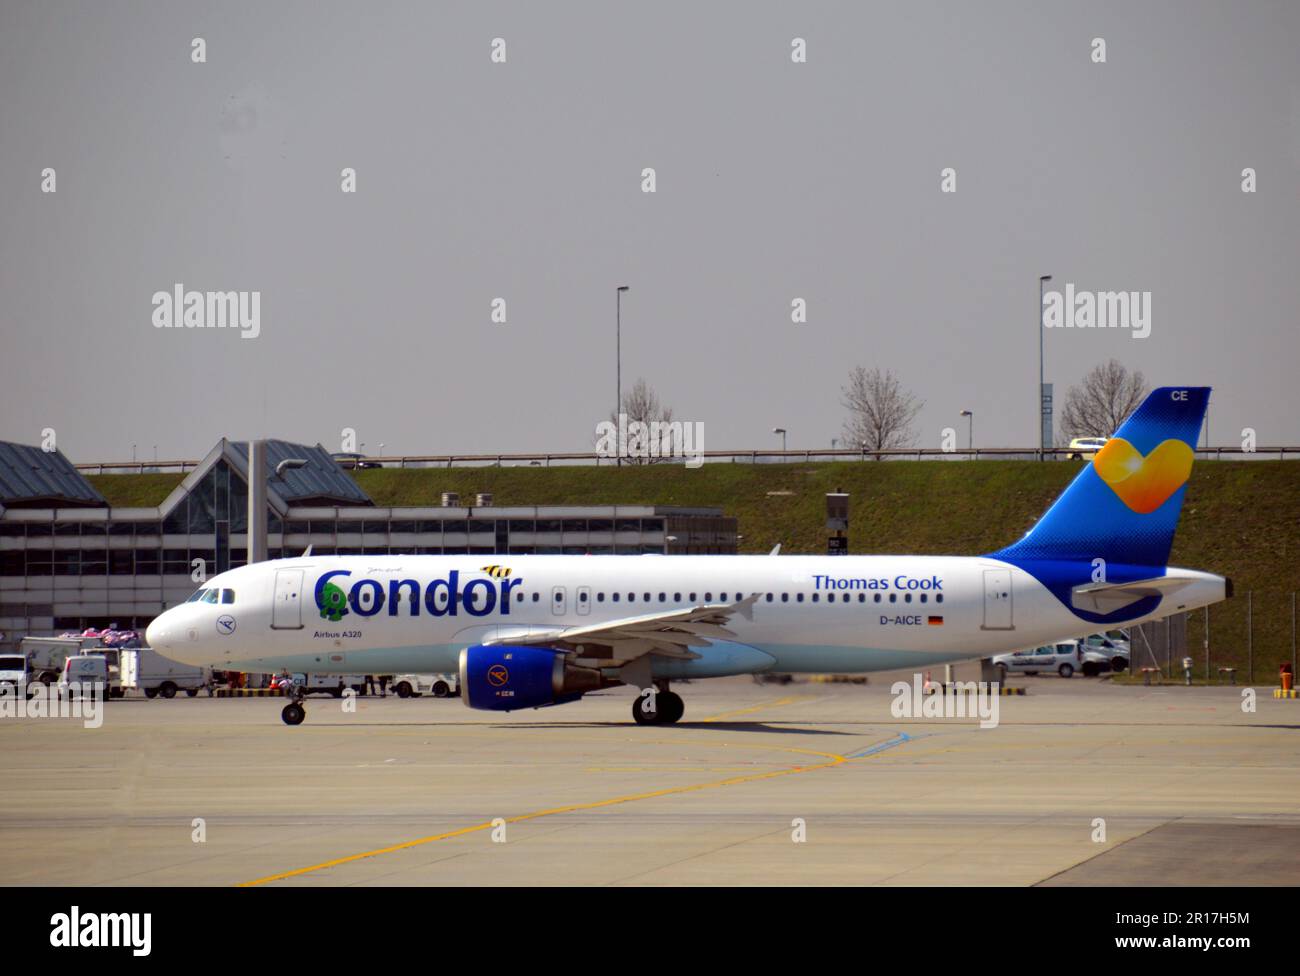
523	180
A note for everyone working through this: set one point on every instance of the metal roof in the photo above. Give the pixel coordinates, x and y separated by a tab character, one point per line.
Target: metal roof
33	476
321	478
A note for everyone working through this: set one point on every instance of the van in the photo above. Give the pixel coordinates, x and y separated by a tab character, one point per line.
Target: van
1063	657
82	672
13	674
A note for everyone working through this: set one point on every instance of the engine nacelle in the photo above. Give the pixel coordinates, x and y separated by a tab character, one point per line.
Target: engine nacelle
503	677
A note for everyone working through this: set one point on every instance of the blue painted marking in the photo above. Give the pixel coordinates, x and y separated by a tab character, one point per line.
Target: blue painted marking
881	746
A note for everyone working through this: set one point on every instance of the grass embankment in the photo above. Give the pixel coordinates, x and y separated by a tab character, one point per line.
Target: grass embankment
1240	518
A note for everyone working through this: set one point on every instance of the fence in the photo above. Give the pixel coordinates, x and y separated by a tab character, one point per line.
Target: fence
1280	453
1241	640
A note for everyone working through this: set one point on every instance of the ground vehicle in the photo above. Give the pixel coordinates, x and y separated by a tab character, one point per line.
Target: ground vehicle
1085	448
46	655
414	685
84	672
353	461
13	672
1115	651
1063	657
156	675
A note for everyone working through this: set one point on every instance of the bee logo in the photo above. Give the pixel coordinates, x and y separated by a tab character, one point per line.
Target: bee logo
495	571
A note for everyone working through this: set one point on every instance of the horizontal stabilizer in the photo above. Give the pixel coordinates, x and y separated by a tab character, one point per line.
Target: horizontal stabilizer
1106	598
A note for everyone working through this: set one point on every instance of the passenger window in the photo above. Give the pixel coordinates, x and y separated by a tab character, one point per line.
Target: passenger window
785	597
798	598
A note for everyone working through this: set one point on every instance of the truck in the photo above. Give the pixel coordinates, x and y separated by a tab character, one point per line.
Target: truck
134	667
45	655
156	675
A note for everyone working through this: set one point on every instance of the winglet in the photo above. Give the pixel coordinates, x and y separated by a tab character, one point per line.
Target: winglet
776	550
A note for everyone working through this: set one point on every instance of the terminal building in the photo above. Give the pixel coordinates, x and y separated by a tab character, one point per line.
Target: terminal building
69	560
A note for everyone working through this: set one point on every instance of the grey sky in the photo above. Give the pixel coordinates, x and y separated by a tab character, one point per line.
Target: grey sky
522	180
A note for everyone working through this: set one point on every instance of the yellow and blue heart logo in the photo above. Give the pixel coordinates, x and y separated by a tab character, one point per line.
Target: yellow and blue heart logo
1144	483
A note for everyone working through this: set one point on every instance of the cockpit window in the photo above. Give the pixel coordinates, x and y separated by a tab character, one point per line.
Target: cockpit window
210	596
227	596
198	595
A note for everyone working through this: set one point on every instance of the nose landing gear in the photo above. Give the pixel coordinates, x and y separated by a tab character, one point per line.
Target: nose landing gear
663	707
293	713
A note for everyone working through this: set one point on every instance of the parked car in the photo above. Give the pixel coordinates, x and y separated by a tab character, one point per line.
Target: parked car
1085	448
350	460
1063	657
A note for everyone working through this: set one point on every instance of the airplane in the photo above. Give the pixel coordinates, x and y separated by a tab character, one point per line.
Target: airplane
529	631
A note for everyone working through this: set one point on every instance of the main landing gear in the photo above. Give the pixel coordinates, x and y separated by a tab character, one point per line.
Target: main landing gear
663	707
293	713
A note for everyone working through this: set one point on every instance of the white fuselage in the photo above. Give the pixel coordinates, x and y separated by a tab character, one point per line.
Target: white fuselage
813	613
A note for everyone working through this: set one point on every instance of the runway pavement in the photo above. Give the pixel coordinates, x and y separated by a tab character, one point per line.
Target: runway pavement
1081	782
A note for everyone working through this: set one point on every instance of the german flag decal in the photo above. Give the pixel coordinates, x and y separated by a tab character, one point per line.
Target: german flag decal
934	621
496	572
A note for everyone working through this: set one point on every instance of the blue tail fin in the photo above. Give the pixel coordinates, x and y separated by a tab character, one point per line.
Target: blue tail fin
1123	507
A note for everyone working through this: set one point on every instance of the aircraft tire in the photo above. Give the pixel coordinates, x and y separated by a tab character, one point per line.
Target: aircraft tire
293	714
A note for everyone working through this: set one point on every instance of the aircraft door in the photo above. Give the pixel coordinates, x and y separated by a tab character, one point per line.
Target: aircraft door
997	600
286	611
584	600
559	601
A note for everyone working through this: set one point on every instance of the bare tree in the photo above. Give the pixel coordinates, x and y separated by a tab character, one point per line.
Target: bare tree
646	433
641	404
881	412
1103	401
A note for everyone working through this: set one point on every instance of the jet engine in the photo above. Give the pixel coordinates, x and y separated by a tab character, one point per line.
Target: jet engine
503	677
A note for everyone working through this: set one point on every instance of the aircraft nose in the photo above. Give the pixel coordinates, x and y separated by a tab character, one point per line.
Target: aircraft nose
156	635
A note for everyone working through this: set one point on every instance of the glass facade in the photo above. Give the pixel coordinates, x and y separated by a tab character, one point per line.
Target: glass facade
64	573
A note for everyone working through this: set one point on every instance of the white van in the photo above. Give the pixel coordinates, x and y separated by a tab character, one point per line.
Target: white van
84	671
1063	657
13	673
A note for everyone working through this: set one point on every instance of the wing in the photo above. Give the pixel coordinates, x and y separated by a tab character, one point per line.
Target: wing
672	633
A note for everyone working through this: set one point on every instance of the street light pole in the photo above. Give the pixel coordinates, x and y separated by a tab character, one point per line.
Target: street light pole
970	431
1042	280
618	362
782	432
